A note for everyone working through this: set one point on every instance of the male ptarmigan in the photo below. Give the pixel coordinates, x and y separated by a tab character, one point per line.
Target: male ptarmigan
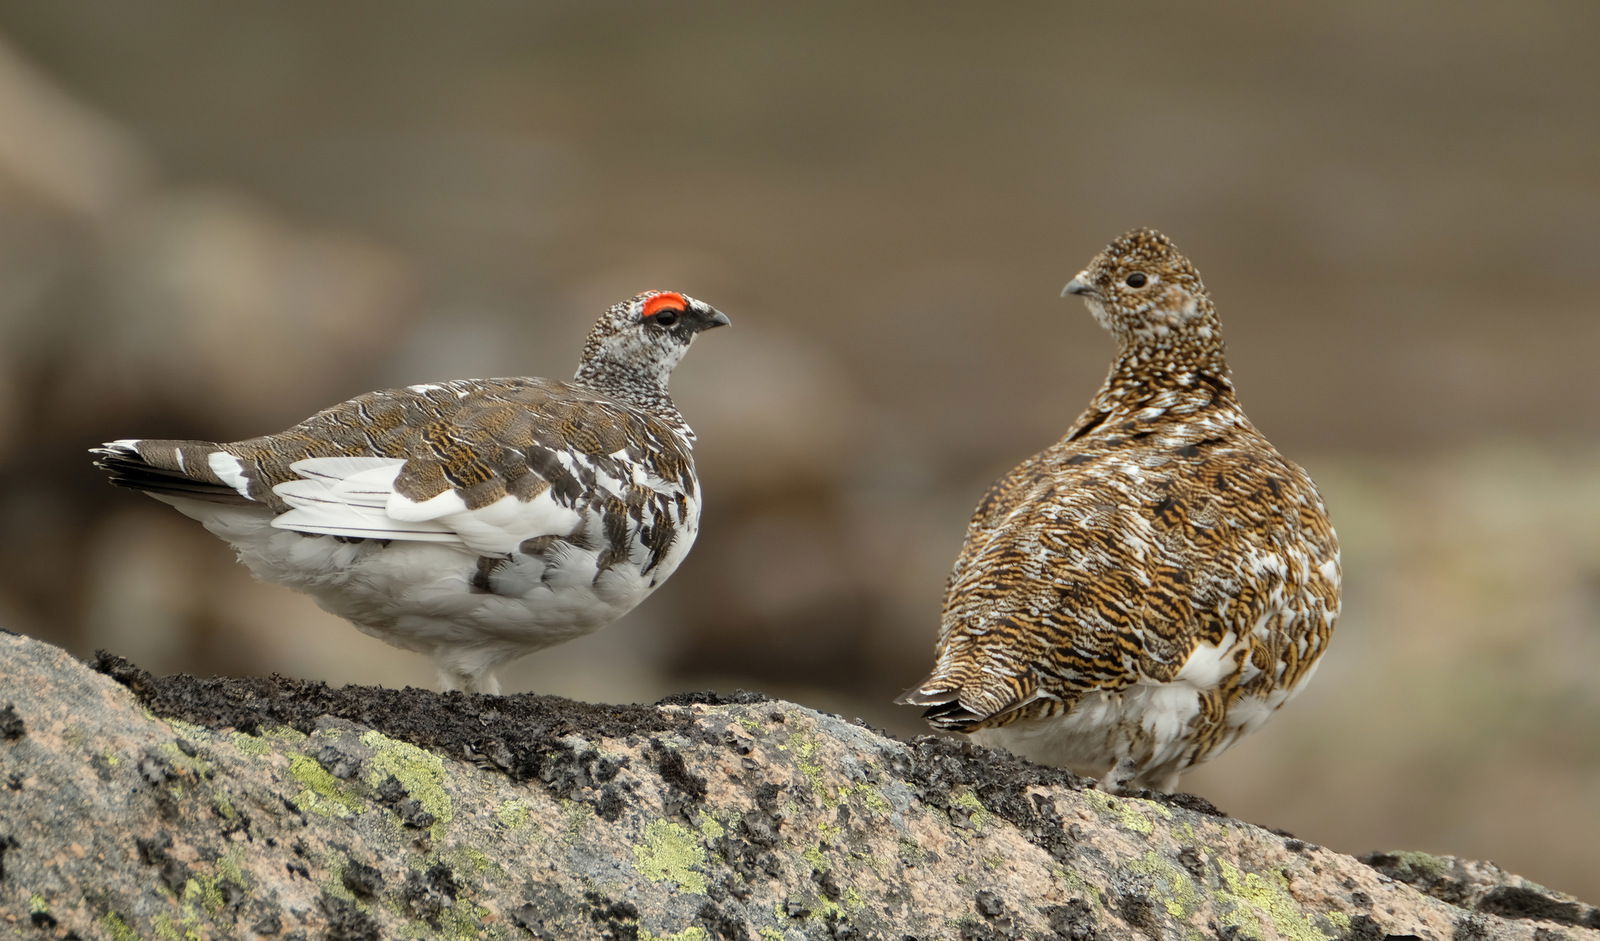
1137	597
476	520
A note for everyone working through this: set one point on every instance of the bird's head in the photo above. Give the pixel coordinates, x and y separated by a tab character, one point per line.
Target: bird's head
1143	290
650	332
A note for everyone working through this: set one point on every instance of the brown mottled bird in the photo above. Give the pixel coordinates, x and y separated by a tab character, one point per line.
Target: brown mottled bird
1135	598
476	520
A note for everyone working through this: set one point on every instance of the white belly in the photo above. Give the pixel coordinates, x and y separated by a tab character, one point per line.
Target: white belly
1104	728
1157	725
422	595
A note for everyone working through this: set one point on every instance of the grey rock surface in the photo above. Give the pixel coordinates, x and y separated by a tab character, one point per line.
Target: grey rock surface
137	807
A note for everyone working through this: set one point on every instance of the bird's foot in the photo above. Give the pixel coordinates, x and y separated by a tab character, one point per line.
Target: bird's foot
1119	780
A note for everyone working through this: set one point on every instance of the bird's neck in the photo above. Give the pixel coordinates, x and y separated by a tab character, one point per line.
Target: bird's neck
1146	367
642	389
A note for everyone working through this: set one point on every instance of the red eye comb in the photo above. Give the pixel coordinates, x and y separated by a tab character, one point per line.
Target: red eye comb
663	301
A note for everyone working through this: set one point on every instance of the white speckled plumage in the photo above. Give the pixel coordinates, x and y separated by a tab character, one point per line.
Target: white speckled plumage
476	520
1134	599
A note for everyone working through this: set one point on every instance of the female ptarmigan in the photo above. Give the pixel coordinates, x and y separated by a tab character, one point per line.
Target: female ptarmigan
1135	598
476	520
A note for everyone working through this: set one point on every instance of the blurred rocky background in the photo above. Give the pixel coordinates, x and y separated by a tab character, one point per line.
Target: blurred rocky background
215	219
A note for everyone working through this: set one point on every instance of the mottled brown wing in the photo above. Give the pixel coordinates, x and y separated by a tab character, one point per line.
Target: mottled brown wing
448	450
1108	572
499	463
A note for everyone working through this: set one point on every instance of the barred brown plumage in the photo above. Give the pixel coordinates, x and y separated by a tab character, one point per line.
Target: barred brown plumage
1132	600
476	519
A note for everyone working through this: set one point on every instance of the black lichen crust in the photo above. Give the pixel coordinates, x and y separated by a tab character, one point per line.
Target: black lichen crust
511	733
520	734
11	725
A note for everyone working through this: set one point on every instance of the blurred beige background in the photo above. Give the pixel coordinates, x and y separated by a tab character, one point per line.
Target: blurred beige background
215	219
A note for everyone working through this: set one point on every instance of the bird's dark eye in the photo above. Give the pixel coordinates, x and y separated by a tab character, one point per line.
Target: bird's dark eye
665	318
1137	280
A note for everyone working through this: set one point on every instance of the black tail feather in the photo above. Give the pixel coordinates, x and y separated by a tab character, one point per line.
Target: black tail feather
126	468
952	717
944	708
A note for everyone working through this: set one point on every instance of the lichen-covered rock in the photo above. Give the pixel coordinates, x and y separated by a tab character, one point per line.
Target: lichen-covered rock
134	807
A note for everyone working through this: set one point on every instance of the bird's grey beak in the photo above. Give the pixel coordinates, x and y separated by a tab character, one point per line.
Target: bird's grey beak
1078	286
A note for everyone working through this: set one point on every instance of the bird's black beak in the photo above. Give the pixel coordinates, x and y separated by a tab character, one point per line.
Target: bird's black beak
1079	285
707	317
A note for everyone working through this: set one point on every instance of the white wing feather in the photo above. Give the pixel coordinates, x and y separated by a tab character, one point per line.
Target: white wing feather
345	496
355	496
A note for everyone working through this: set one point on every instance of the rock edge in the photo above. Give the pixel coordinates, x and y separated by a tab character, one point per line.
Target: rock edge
133	807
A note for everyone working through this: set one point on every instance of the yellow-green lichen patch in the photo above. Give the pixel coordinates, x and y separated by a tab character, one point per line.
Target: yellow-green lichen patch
205	892
1270	900
322	793
256	745
1171	886
1077	884
464	921
818	860
37	905
332	871
169	930
805	752
828	909
967	800
184	762
420	772
191	917
231	866
710	827
693	933
268	741
669	853
771	934
870	797
223	805
116	928
188	729
1123	810
816	907
513	814
1410	864
863	794
474	862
